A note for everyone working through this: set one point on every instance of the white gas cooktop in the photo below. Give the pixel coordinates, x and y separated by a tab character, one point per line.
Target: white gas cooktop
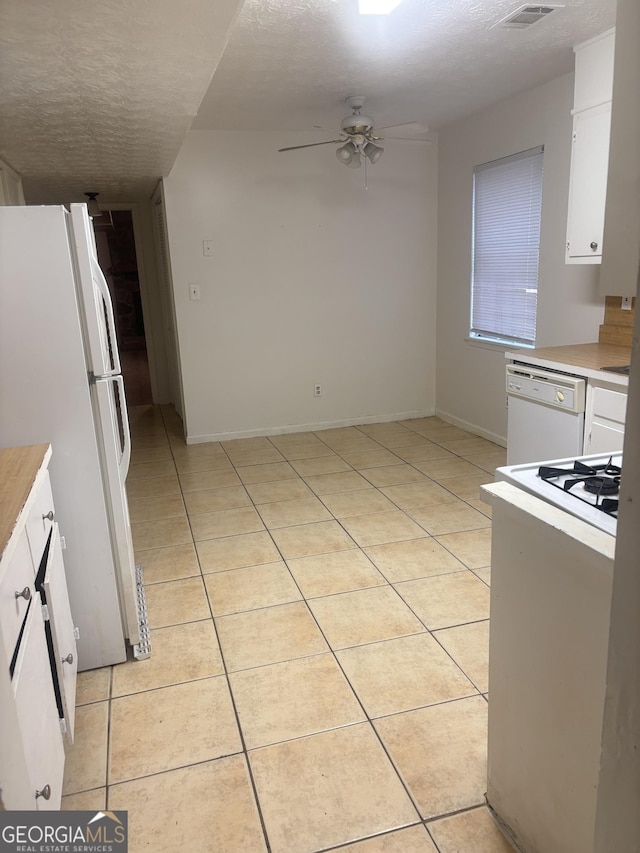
586	486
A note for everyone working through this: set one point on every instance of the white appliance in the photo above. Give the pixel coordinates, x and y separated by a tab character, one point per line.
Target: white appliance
545	414
553	545
586	486
60	383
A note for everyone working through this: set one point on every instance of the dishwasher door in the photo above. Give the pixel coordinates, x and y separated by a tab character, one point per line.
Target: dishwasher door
546	415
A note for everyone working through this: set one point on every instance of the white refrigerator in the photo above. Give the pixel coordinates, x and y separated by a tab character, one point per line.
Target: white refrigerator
60	382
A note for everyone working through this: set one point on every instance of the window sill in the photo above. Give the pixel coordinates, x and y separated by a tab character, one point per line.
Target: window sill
499	347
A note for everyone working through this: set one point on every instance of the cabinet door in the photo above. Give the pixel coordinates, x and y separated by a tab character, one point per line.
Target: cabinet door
40	520
604	437
62	630
16	590
605	418
37	714
594	71
588	184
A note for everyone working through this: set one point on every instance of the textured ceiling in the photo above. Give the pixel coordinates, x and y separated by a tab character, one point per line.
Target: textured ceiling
99	94
290	63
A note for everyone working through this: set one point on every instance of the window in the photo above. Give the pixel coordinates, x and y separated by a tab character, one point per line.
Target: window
507	203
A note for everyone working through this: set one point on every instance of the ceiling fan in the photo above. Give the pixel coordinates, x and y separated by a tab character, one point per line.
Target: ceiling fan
358	137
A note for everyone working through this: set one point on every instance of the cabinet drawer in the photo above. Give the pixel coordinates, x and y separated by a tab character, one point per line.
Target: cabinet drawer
37	712
609	404
16	591
54	589
40	521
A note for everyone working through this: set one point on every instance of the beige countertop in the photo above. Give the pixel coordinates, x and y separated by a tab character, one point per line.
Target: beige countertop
580	359
19	467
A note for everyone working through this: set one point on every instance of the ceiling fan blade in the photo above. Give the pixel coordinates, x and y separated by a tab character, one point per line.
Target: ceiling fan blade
419	128
407	139
311	145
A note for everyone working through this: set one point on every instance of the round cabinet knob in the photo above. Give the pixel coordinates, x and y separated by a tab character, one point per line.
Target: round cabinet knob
593	245
45	793
560	396
26	594
49	516
68	659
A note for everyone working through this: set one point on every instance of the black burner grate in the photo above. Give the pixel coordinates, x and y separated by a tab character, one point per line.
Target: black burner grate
599	481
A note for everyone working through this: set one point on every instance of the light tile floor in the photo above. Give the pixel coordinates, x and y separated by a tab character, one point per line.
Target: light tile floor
319	605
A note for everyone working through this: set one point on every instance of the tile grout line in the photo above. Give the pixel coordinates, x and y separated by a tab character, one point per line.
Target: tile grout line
244	750
228	682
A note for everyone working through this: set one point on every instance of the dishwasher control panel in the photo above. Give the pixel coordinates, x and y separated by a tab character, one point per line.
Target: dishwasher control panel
551	389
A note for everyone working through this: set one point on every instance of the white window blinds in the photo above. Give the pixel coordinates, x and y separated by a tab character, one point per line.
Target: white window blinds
507	203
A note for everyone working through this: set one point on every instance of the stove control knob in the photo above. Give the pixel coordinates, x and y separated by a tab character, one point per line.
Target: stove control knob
559	395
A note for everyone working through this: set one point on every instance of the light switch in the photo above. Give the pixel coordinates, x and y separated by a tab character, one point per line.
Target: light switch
207	248
194	292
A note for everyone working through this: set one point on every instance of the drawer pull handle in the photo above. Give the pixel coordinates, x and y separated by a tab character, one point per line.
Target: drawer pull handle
49	516
68	659
45	793
593	245
26	594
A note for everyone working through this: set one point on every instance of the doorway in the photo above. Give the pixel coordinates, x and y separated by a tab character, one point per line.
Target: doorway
117	257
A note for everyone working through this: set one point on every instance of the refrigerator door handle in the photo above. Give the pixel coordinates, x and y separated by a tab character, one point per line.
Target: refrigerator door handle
125	458
112	341
115	452
96	309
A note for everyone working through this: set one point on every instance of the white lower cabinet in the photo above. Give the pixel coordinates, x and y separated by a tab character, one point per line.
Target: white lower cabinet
38	715
38	659
62	631
605	414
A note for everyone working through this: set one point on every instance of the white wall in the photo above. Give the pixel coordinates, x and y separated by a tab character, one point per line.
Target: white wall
470	376
313	279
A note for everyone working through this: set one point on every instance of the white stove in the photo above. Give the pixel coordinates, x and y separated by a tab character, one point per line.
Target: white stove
587	486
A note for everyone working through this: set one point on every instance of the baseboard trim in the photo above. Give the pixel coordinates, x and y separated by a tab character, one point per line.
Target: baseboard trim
317	427
476	430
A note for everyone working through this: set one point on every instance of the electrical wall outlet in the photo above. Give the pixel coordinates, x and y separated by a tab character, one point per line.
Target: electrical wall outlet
317	390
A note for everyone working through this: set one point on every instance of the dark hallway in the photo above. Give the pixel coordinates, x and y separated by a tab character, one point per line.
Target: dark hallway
117	257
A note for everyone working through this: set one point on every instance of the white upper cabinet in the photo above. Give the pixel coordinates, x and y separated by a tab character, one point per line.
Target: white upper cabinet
594	71
590	149
621	258
588	184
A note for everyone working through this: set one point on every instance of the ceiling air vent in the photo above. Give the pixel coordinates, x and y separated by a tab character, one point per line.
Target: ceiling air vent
524	17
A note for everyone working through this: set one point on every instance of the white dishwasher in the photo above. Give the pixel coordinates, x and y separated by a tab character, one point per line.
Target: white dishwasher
545	414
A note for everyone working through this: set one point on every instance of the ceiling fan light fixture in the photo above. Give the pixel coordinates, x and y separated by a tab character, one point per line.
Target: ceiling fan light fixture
355	162
373	152
92	205
347	153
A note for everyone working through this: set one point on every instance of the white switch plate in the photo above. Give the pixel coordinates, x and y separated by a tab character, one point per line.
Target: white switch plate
194	292
626	303
207	248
